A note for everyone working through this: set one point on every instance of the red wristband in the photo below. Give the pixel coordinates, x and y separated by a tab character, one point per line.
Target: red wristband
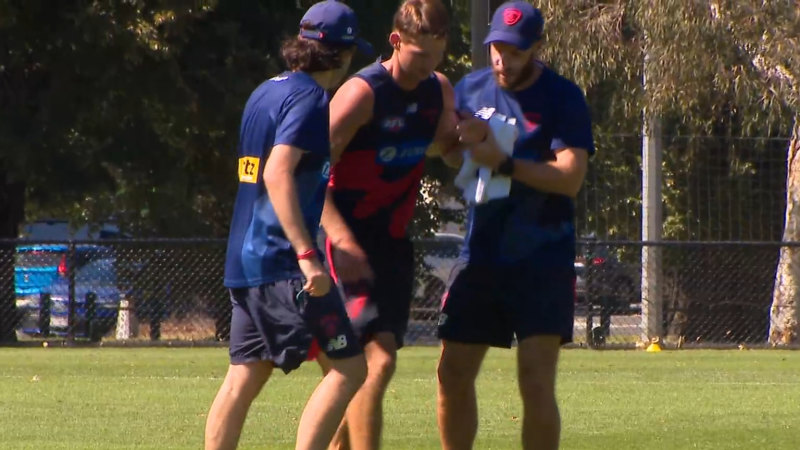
308	254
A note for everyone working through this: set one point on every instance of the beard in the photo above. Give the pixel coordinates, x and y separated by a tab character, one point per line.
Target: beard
513	82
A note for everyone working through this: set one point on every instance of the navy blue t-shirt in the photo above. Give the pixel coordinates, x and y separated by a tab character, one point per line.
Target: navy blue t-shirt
528	225
289	109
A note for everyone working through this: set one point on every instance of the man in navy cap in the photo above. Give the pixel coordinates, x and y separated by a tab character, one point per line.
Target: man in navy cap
517	277
280	291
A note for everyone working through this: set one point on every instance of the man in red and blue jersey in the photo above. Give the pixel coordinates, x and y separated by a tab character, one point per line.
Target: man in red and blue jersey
516	280
280	291
384	121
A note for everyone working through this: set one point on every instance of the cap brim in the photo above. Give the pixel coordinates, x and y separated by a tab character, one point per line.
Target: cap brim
364	47
508	38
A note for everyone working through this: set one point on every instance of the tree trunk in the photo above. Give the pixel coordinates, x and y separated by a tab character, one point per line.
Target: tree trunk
12	197
785	314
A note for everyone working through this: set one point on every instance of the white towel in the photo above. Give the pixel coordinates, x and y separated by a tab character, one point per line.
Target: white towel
477	182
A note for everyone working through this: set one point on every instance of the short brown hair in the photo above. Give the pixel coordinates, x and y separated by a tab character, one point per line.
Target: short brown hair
416	17
311	55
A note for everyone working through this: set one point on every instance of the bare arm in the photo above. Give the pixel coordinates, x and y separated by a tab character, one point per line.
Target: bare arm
563	176
279	181
350	109
445	141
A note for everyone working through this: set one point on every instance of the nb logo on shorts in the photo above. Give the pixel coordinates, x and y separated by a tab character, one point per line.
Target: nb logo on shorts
248	169
337	343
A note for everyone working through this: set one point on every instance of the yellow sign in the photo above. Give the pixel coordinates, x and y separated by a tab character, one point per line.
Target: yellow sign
248	169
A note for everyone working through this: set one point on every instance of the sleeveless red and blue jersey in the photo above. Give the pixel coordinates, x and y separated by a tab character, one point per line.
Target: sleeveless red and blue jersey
376	181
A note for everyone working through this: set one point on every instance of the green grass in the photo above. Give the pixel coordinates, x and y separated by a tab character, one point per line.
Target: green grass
157	398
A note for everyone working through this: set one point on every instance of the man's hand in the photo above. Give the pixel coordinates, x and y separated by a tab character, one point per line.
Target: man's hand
350	262
318	282
471	130
487	152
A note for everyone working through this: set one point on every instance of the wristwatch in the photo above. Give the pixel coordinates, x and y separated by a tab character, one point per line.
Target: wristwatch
506	167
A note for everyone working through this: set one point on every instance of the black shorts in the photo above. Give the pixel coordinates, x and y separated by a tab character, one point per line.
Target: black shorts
491	304
384	305
277	322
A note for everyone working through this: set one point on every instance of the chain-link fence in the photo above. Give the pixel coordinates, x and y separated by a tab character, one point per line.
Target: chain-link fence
715	188
171	290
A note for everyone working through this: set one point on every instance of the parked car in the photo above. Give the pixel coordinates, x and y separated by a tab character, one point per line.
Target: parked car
439	255
600	277
42	288
602	280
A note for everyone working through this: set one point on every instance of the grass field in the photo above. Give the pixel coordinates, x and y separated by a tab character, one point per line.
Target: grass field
157	398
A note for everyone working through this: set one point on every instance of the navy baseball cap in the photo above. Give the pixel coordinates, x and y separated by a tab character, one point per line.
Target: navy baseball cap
332	21
517	23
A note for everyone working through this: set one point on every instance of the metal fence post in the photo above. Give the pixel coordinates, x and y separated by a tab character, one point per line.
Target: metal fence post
652	147
479	26
71	306
91	317
45	304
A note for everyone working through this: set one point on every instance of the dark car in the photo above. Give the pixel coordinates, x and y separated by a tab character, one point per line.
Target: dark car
602	280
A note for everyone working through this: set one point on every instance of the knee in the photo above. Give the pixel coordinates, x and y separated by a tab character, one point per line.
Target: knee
454	377
381	368
536	389
246	382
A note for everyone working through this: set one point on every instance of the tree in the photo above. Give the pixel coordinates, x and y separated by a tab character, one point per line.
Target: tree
717	69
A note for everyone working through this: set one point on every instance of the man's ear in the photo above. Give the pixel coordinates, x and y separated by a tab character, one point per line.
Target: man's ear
394	39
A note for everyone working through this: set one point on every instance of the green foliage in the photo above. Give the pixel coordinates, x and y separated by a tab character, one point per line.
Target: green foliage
131	109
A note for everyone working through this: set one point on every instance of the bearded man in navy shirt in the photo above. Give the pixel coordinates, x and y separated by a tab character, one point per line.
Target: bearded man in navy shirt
516	278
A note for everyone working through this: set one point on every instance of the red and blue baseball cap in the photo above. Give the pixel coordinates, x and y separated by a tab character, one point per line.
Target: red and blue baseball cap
517	23
332	21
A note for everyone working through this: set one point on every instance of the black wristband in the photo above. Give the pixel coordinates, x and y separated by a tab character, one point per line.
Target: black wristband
506	167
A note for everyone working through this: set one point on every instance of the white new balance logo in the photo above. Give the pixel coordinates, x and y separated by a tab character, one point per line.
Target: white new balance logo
485	113
337	343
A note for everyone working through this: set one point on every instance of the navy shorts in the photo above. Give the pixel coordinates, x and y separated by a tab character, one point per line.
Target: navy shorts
383	305
277	322
491	304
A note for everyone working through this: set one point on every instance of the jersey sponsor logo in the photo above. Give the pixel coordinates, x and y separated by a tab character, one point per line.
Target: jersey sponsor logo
248	169
393	124
387	154
394	156
511	16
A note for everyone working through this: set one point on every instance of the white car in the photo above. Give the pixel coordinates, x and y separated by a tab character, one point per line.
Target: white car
439	255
